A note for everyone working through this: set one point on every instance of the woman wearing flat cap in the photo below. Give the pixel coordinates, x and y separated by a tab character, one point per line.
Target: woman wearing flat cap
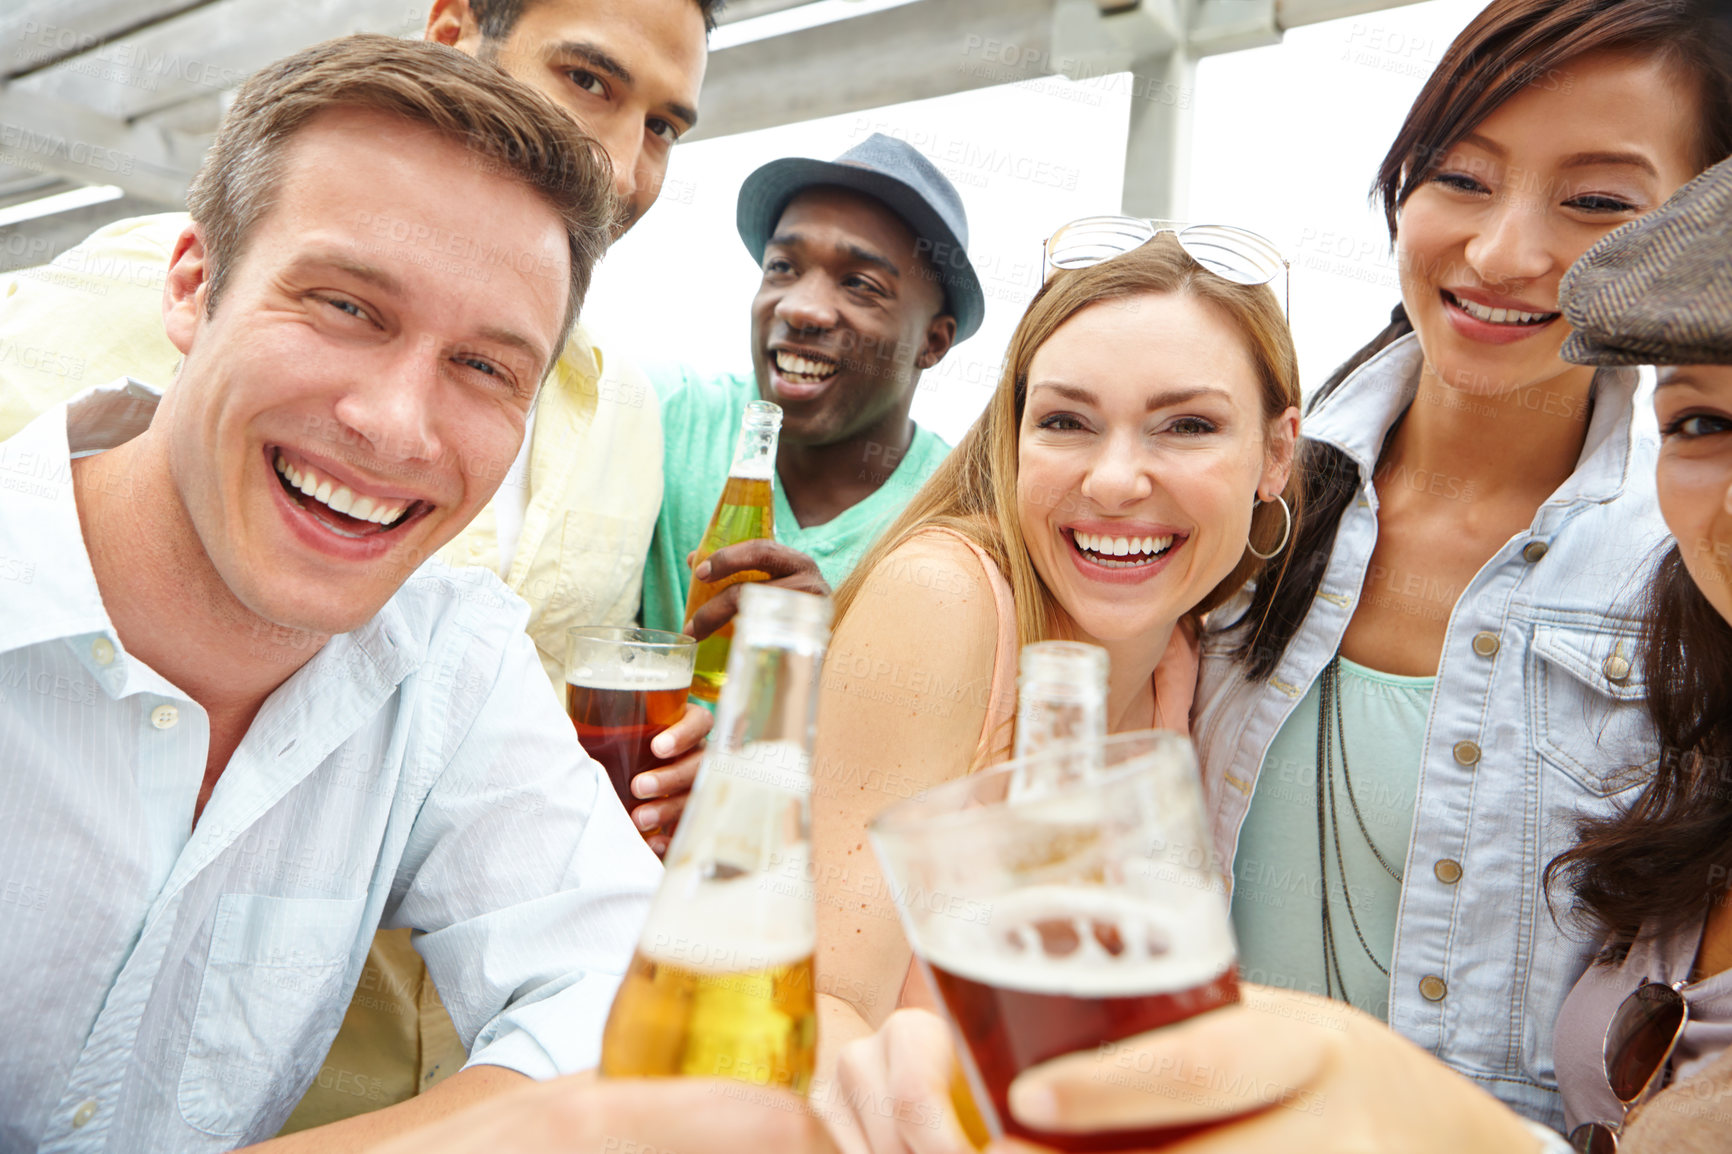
1644	1041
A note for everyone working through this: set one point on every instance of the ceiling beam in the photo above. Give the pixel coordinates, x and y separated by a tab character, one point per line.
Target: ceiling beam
922	50
1294	13
34	37
930	48
40	134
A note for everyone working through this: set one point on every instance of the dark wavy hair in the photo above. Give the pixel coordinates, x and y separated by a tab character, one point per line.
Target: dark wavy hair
1509	45
1663	858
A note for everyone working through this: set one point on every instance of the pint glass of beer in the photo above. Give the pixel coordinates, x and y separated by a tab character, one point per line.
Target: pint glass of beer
622	687
1054	921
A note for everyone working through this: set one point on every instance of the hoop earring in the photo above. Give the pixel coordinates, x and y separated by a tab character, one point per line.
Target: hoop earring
1286	532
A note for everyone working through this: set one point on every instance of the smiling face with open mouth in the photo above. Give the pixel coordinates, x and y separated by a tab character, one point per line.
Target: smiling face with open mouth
1484	242
845	318
350	404
1141	448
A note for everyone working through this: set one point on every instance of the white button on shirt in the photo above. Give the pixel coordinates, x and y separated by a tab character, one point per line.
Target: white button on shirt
167	987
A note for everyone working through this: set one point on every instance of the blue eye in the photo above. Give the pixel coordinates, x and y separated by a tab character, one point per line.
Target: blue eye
1694	425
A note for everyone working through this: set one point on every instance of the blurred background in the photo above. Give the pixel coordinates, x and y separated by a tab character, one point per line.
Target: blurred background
1268	114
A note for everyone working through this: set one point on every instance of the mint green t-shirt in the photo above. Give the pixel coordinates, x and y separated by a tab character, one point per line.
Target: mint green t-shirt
700	423
1277	893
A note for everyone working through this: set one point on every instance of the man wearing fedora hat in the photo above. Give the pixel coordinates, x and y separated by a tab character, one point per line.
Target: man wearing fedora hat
865	284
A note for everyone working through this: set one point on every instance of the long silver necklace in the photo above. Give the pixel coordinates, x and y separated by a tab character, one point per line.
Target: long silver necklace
1330	732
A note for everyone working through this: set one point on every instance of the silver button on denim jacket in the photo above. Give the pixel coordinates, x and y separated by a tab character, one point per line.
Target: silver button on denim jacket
1551	720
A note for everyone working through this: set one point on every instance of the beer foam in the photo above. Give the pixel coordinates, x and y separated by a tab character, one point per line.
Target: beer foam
1086	942
645	672
749	922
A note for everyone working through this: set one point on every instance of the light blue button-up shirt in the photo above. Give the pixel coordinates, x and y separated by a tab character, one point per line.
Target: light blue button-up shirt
1521	739
171	987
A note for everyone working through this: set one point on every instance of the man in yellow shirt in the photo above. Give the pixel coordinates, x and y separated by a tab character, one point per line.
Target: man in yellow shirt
571	523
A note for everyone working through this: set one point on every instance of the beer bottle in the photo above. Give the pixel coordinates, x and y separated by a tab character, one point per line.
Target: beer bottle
721	983
1062	699
744	512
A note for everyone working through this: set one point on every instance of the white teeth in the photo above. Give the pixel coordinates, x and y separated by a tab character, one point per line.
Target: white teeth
1106	546
339	498
792	364
1498	316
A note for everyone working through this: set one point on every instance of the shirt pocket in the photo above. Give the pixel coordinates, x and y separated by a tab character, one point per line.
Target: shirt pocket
1592	718
273	994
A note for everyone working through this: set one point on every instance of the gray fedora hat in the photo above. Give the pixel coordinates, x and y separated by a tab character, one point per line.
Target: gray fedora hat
895	173
1658	291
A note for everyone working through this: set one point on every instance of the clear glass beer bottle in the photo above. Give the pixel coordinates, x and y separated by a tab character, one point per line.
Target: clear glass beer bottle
744	512
1061	699
721	984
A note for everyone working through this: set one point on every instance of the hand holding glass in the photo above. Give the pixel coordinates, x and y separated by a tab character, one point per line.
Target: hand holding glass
622	687
1055	921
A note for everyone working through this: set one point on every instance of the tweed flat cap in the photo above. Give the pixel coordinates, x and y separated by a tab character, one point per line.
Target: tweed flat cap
1658	291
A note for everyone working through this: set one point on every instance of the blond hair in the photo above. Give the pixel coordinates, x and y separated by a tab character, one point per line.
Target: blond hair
507	125
974	491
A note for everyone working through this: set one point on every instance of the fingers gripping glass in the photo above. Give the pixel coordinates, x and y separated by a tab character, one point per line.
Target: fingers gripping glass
1639	1043
1238	254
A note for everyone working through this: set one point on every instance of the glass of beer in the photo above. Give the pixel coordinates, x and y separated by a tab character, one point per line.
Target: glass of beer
1051	921
622	687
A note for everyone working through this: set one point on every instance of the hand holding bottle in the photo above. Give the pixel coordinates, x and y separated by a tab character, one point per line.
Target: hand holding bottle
768	561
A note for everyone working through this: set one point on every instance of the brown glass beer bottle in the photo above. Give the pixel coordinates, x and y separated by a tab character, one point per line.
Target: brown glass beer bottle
743	513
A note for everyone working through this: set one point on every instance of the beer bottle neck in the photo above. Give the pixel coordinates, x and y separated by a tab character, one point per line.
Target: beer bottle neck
1061	695
755	451
771	694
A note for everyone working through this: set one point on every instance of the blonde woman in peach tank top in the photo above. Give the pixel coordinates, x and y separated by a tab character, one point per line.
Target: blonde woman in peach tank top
1139	443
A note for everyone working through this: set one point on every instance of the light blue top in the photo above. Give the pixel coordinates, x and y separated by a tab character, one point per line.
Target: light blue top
175	987
700	423
1523	736
1277	891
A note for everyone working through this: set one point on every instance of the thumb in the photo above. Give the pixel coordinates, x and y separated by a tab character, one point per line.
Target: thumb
1235	1060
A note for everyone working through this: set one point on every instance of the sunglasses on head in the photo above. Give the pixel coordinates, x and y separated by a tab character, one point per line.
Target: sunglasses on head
1236	254
1639	1043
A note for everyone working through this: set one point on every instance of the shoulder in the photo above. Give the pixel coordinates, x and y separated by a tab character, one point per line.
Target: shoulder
934	564
685	389
140	237
925	620
443	609
621	382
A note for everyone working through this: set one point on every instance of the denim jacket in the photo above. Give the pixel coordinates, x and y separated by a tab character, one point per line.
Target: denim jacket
1536	719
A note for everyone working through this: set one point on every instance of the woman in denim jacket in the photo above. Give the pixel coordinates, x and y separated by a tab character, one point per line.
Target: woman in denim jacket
1400	733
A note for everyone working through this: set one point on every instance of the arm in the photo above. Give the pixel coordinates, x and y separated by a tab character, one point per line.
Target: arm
581	1115
901	709
1295	1072
1282	1073
466	1088
528	884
